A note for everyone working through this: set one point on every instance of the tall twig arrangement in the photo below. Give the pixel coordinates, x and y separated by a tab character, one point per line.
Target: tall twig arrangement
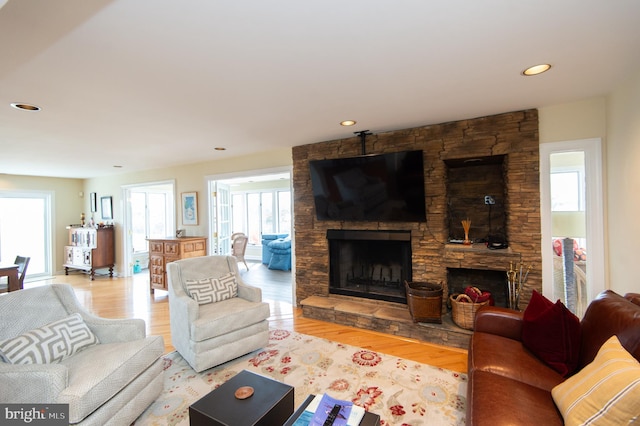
516	279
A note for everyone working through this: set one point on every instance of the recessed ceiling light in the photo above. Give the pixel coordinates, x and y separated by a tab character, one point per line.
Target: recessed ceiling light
348	122
25	107
220	148
536	69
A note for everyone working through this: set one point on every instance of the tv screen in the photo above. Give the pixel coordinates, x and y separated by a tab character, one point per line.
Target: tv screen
383	187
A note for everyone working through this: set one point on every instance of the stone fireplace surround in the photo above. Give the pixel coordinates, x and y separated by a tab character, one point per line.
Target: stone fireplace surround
513	136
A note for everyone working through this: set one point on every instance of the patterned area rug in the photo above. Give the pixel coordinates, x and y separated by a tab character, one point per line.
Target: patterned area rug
402	392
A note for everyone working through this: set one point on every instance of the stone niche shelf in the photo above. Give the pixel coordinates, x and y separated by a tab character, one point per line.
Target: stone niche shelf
478	256
386	317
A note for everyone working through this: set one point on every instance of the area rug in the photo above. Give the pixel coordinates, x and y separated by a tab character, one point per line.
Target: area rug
402	392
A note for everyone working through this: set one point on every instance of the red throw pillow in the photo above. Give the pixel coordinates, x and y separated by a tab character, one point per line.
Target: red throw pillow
552	333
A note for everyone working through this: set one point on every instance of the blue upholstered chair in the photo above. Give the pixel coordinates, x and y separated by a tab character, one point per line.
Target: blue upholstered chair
266	239
280	254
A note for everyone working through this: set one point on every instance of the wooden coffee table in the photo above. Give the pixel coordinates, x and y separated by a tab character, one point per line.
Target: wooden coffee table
272	403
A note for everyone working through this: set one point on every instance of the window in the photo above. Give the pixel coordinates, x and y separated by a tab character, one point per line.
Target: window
260	212
565	192
25	230
149	218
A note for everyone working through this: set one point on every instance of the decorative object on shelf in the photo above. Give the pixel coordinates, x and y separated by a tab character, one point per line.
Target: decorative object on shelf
106	205
189	208
466	225
93	200
82	219
516	278
180	233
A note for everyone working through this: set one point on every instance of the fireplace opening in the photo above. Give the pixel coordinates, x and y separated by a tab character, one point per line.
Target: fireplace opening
493	281
369	264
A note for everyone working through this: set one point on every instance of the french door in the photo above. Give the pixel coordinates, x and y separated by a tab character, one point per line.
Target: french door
572	222
220	208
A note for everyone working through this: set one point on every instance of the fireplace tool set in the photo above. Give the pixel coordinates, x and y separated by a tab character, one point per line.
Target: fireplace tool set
516	278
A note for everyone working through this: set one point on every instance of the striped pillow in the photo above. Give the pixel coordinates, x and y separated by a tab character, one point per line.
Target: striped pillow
50	343
210	290
604	392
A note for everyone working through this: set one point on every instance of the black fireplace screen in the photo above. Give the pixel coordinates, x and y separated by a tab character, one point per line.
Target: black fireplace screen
369	264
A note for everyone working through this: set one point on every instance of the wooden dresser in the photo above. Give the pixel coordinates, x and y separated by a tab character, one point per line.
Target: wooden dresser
165	250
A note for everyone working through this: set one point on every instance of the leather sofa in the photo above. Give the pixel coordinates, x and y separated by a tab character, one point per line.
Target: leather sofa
508	385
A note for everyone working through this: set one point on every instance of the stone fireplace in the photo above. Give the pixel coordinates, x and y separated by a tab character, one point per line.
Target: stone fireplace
369	264
464	161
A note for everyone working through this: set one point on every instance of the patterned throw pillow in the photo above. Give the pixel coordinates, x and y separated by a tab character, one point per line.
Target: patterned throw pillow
603	392
50	343
210	290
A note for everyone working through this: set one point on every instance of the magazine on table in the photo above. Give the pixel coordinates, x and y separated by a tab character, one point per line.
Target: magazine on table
342	413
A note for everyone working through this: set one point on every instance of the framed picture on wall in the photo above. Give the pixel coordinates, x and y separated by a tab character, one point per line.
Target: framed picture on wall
107	208
189	208
93	199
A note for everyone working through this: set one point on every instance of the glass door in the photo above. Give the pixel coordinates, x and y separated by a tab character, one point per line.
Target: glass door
572	222
220	208
149	213
25	230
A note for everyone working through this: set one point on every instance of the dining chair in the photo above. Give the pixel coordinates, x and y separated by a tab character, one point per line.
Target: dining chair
22	263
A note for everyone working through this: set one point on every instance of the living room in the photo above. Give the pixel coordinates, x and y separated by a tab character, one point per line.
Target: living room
611	117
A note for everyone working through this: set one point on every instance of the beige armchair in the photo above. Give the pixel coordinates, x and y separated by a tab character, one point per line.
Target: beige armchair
107	370
210	322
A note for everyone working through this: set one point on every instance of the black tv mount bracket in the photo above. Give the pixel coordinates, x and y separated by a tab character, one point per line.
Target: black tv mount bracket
363	139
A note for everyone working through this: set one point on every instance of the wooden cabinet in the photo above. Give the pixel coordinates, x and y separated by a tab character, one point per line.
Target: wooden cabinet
89	249
163	251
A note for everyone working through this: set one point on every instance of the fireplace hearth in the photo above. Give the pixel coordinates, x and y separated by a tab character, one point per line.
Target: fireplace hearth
369	264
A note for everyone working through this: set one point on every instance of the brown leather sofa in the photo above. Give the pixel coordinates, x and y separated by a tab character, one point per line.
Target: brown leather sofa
508	385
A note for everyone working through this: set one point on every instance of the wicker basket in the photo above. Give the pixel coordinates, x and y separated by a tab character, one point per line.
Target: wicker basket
425	301
464	313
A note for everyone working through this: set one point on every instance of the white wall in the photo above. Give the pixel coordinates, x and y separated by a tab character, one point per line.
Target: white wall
623	184
615	119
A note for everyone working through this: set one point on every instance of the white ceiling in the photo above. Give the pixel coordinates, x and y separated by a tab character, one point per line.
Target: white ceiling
147	84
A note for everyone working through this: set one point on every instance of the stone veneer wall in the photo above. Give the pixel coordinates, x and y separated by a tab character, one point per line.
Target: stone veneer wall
513	134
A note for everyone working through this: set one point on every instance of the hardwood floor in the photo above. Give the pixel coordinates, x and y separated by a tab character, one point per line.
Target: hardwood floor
130	298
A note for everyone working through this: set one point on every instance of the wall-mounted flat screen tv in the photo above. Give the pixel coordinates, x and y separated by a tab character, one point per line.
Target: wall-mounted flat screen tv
383	187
